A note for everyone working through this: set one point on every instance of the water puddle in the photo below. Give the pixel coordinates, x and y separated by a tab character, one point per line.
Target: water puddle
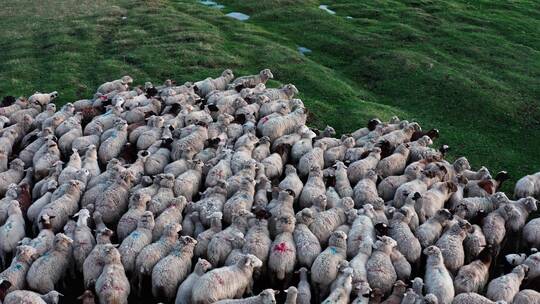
304	50
212	4
238	16
326	9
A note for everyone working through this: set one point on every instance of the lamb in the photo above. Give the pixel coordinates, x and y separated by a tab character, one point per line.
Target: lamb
172	214
151	254
93	265
128	221
8	139
474	243
286	92
527	296
66	205
223	242
159	157
49	269
26	296
282	125
188	183
531	233
529	185
474	276
388	186
343	287
83	240
252	80
118	85
313	188
164	195
221	171
494	224
434	199
525	206
358	169
12	231
90	162
242	199
402	267
16	272
451	245
12	176
112	202
203	239
138	239
419	185
112	146
257	239
361	235
342	185
173	269
429	232
394	164
282	256
380	271
226	282
273	165
485	187
437	278
112	286
327	221
303	146
470	207
185	289
266	296
337	153
307	244
204	87
400	231
365	191
506	287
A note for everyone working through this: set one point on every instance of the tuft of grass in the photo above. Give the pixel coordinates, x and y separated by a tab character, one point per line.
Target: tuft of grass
469	68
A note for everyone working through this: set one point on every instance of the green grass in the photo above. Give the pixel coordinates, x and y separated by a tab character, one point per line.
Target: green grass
469	68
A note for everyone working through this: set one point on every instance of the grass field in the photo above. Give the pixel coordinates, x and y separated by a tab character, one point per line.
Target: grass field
469	68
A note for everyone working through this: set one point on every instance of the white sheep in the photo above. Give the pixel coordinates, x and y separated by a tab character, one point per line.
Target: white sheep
307	244
16	272
437	278
325	267
506	287
50	268
153	253
30	297
380	270
358	169
185	289
112	286
135	242
173	269
83	240
12	231
93	264
282	258
529	185
226	282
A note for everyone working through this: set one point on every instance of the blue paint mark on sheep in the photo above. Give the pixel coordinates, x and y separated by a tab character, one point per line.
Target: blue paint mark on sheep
238	16
18	266
333	250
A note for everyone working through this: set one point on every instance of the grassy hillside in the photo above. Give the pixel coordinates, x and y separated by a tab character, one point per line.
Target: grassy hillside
469	68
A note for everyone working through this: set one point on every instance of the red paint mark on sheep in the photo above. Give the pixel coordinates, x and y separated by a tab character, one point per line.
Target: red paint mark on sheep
281	247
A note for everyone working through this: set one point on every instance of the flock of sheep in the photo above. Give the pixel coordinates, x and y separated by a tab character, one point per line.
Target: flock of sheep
217	191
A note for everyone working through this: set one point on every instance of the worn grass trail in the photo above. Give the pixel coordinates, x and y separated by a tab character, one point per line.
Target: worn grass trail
471	69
